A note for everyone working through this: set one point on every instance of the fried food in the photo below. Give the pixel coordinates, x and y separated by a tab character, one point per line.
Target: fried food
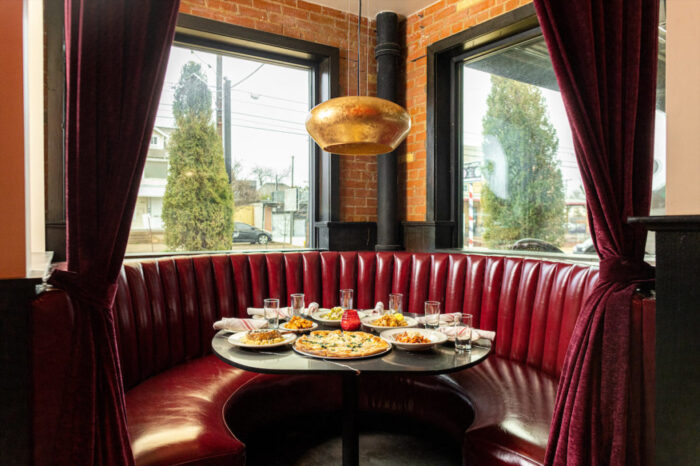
390	320
413	337
298	323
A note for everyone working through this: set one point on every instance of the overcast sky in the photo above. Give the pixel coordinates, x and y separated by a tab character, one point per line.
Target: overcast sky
269	104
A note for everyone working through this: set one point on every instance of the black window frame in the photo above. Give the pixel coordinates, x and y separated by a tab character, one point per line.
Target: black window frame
196	32
444	109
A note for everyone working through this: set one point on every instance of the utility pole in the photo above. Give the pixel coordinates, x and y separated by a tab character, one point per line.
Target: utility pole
292	180
227	129
219	74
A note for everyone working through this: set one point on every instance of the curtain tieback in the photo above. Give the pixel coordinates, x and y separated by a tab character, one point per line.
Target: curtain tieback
622	270
87	289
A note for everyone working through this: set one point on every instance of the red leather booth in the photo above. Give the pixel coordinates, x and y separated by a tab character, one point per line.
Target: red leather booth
184	406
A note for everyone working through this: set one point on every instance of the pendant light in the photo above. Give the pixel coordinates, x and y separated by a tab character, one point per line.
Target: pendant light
358	125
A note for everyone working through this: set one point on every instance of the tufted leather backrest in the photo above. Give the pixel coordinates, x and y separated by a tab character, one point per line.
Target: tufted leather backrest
165	308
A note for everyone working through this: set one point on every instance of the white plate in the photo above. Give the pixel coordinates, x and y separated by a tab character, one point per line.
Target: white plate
235	340
367	322
314	325
316	315
434	336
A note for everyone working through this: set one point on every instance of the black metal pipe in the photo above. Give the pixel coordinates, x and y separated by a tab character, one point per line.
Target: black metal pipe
388	53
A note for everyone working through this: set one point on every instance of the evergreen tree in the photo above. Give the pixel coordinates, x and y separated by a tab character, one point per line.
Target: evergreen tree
198	202
528	202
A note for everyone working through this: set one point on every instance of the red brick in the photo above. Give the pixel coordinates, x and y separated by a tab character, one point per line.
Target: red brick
267	6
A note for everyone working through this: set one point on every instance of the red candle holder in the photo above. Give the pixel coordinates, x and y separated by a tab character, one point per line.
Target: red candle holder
350	320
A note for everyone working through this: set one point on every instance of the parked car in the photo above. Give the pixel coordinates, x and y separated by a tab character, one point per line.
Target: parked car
585	248
533	244
244	233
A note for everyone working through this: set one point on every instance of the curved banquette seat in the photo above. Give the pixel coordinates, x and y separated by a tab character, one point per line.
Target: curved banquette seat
184	406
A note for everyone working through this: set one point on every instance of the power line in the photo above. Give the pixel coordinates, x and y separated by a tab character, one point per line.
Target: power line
269	129
248	76
173	85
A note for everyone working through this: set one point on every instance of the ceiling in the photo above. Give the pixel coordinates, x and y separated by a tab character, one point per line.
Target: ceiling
370	8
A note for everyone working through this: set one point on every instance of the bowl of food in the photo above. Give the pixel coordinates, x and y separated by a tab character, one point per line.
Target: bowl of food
415	339
331	317
387	321
298	325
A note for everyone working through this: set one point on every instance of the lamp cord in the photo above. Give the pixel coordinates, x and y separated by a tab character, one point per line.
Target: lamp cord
359	41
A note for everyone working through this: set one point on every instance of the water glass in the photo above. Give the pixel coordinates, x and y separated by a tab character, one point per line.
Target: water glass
297	307
463	333
271	312
346	299
395	303
432	314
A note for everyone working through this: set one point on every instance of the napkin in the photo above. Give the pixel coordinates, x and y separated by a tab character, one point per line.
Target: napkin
377	311
476	333
282	312
444	318
234	324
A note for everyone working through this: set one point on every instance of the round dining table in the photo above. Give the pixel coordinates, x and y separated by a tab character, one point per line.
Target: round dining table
440	359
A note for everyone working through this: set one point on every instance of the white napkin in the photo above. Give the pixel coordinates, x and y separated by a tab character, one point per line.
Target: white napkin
234	324
444	318
476	333
313	307
377	311
282	312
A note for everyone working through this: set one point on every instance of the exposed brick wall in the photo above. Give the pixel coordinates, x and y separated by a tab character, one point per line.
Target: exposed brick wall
423	28
315	23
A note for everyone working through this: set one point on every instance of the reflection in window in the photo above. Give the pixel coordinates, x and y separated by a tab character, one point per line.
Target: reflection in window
228	163
521	184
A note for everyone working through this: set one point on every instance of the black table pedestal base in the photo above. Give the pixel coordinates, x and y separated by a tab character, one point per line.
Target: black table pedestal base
351	433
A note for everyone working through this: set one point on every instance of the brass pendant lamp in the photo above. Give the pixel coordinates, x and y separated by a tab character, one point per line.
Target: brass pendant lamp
358	125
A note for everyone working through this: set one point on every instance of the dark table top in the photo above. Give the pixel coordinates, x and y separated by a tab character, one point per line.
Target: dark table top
438	360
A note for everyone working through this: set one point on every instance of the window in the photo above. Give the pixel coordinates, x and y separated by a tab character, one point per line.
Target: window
230	165
295	209
519	186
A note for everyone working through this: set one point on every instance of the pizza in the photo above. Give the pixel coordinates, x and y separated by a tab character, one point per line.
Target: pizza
338	344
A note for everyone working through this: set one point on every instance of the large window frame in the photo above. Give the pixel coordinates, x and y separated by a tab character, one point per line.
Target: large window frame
444	157
196	32
443	149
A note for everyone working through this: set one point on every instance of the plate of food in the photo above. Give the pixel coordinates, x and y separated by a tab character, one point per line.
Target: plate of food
415	339
261	339
389	321
332	317
336	344
298	325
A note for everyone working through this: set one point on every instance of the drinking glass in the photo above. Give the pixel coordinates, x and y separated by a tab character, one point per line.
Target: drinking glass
432	314
346	299
297	304
272	313
463	333
395	303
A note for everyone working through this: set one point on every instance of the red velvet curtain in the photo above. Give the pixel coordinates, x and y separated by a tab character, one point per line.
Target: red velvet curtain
116	56
605	54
